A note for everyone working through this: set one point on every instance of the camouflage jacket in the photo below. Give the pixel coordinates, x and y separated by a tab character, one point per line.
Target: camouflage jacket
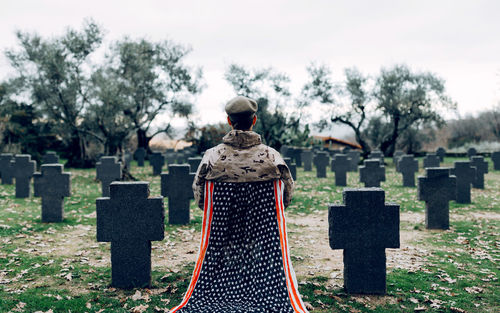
242	158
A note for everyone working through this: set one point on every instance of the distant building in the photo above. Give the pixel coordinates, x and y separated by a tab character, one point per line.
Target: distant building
335	143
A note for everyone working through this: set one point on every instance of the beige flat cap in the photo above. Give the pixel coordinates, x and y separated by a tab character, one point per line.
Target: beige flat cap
241	104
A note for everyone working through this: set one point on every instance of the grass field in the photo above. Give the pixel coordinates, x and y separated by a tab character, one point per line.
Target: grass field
60	267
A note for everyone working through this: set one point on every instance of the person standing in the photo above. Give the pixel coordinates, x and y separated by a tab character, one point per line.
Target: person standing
244	262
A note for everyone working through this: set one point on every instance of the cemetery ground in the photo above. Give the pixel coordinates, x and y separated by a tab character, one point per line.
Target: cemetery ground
59	267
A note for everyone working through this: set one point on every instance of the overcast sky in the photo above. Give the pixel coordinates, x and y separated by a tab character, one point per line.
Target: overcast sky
457	40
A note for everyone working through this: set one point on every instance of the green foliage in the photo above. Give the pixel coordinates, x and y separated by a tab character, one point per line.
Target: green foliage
207	136
270	89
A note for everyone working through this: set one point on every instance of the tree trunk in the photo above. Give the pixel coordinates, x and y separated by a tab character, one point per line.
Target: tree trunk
388	146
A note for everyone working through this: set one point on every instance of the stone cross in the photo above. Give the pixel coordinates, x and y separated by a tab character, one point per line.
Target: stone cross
465	175
292	167
23	168
50	158
441	152
372	173
307	157
194	163
321	161
52	185
408	166
431	160
377	154
396	157
108	170
156	160
364	227
353	155
341	165
177	186
140	155
495	158
6	169
481	168
437	189
471	152
130	220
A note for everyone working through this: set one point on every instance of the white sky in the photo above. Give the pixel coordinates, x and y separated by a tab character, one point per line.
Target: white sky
457	40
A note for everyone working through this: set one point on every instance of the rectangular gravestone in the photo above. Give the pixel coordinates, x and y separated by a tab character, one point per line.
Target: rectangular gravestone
481	168
50	158
441	152
307	157
408	166
364	227
341	165
156	160
431	160
321	161
371	173
6	169
23	168
52	185
465	175
395	158
471	152
284	150
437	189
194	163
297	156
170	157
354	156
177	186
140	155
130	220
292	167
108	169
181	157
495	158
377	154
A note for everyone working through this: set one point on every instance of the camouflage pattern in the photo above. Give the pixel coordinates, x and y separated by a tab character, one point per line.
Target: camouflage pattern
242	158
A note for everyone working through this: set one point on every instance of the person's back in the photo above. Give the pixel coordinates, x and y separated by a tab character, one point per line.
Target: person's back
243	187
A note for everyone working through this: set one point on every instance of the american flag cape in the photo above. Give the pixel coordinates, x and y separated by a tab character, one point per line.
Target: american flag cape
244	259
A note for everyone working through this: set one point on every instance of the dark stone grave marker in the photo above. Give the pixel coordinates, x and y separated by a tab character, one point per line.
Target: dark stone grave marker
130	220
372	173
50	158
495	158
52	185
334	152
341	165
108	169
396	157
177	186
377	154
465	175
297	156
170	157
431	160
292	167
140	155
23	168
307	157
181	157
471	152
321	160
481	166
441	153
284	150
6	168
364	227
194	163
408	166
156	160
353	155
437	189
